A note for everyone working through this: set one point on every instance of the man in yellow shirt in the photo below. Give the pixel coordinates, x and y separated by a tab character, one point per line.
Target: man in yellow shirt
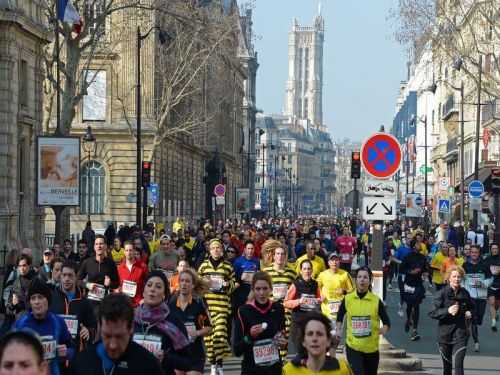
423	247
334	284
317	262
436	265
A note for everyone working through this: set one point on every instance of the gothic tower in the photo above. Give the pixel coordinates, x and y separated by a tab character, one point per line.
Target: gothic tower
304	89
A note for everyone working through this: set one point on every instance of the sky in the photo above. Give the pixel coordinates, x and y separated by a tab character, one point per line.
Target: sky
363	64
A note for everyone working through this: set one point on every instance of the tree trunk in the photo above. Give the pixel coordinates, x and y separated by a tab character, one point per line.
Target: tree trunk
62	224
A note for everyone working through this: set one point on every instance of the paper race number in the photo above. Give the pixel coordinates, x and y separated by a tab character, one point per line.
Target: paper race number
265	353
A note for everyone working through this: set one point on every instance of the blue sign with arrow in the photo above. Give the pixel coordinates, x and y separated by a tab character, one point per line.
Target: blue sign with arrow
476	189
153	194
444	206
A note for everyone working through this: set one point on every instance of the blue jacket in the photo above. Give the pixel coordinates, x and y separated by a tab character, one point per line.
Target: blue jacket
52	330
402	252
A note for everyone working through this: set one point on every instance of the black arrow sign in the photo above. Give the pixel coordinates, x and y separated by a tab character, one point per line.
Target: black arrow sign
388	211
369	211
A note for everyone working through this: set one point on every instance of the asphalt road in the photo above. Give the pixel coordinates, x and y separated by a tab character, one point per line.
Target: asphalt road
486	362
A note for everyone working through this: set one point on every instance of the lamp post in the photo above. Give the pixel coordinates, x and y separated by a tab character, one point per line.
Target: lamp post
163	37
478	126
89	145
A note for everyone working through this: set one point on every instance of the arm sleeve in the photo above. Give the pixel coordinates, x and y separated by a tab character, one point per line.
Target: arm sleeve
438	311
382	312
290	302
115	279
341	313
240	342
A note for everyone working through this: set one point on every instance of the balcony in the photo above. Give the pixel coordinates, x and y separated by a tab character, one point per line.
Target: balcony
449	108
490	110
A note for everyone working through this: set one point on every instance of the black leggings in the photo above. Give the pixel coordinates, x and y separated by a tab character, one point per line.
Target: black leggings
413	314
453	355
362	363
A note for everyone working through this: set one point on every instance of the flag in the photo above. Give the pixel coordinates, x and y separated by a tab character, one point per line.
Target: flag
66	12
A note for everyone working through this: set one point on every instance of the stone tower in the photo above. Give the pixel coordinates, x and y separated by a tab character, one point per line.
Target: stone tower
304	88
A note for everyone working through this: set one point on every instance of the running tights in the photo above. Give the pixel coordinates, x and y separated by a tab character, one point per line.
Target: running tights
362	363
413	314
453	356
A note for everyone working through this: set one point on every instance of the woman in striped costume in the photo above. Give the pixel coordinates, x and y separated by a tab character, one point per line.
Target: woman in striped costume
220	277
282	277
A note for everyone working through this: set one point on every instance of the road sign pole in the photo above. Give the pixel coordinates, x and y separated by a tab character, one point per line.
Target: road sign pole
355	198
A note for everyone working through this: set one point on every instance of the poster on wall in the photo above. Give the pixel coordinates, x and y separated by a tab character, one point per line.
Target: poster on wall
242	200
58	171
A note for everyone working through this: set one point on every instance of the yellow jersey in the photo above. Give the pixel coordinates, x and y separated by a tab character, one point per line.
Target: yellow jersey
317	262
118	255
332	366
436	265
333	287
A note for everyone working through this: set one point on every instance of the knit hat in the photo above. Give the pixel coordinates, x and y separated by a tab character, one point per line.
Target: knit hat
39	287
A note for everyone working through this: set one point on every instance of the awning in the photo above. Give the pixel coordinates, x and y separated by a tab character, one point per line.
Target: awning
484	174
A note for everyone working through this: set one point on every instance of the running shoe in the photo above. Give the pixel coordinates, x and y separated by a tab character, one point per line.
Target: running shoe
415	336
220	371
213	370
389	287
476	347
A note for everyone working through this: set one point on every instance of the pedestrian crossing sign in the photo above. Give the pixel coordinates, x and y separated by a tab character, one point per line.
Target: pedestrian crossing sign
444	206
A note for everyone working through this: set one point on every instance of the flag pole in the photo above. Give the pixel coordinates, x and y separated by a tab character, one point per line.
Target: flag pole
58	76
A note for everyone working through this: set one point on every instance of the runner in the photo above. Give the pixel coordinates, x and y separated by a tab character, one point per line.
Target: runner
414	266
117	353
259	332
157	329
132	274
22	353
363	312
166	258
220	276
56	339
453	307
188	307
314	341
303	295
334	284
318	264
493	262
174	280
70	304
476	281
346	247
437	264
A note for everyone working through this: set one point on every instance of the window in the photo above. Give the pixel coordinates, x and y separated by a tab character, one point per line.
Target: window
306	109
93	190
94	103
94	14
23	83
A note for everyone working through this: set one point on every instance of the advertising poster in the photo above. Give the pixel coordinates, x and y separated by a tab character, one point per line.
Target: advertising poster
58	171
242	200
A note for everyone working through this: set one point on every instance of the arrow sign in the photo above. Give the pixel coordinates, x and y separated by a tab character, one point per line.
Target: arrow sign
379	208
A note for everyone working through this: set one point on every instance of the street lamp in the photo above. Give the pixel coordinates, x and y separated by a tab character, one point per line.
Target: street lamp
89	145
163	37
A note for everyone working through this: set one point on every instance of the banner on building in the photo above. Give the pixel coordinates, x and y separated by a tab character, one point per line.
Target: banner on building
58	171
242	200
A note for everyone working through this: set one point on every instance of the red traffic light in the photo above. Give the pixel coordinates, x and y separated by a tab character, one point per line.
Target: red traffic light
146	165
356	155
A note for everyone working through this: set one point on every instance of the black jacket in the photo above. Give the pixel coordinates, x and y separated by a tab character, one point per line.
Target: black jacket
95	271
135	360
452	329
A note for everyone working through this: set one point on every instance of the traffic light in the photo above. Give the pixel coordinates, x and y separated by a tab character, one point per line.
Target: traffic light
495	180
146	173
356	165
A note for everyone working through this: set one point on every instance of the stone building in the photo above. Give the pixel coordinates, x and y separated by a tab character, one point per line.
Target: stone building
183	161
23	33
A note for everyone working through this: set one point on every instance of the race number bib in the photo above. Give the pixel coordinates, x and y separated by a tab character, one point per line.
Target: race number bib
98	293
310	302
334	306
191	330
409	289
72	324
247	277
279	291
265	352
129	288
361	326
346	257
151	343
495	270
216	283
49	345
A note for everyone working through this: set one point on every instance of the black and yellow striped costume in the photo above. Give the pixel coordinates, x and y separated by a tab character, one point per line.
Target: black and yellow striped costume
218	299
281	280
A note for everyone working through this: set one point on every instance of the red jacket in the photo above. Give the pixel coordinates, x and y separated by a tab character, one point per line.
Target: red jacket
136	275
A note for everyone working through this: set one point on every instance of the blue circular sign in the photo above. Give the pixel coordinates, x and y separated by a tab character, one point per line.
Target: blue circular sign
476	188
418	200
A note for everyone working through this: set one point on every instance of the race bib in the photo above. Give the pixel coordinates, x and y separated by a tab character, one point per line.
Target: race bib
191	330
279	291
494	270
361	326
310	302
98	293
72	324
409	289
49	345
346	257
265	353
129	288
334	306
216	283
151	343
247	277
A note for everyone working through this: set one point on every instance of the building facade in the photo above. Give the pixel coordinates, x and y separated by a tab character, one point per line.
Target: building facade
23	34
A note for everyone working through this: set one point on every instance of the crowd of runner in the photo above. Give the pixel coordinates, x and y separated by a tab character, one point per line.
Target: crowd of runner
283	294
